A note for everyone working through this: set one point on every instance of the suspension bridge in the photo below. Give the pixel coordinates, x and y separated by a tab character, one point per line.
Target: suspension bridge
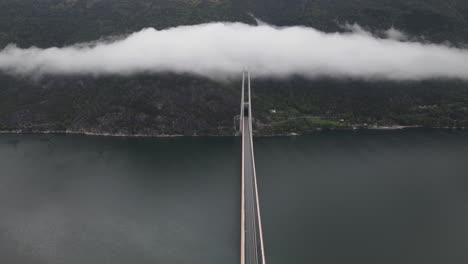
252	249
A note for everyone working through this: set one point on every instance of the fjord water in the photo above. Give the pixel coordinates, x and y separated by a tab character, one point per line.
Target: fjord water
343	197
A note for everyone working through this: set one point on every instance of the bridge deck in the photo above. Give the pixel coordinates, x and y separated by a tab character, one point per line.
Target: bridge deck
252	238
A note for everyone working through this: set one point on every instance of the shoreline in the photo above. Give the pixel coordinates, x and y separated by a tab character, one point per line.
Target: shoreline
84	133
292	134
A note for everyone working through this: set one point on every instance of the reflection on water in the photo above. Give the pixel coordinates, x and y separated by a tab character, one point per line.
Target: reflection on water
344	197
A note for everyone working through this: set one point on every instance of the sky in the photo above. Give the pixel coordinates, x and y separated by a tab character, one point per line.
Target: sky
223	50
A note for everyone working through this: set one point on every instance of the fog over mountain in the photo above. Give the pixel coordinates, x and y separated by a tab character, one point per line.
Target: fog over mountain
222	50
151	67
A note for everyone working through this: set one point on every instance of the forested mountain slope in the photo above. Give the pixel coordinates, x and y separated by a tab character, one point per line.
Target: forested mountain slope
189	105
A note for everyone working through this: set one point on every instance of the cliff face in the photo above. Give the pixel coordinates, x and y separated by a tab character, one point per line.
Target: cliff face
188	105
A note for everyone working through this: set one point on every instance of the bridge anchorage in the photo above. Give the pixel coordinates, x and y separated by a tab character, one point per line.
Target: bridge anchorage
252	250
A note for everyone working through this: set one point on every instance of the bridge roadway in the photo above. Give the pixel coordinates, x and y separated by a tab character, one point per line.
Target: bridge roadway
252	250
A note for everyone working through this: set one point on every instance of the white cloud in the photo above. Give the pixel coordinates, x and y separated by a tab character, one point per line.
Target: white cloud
393	33
356	29
220	50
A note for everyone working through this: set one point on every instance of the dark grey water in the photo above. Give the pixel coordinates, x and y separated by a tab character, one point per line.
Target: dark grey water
364	198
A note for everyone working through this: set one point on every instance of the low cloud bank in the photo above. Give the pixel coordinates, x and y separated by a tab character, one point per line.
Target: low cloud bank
222	50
